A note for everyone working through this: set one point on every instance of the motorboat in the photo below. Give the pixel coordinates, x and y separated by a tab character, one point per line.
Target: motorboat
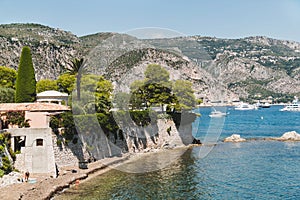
294	106
265	105
217	113
262	105
245	106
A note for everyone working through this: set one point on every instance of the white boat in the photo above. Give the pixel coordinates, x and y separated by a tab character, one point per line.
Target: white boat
265	105
262	105
217	113
245	106
294	106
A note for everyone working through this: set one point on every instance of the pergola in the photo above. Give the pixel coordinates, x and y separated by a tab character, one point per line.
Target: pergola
52	96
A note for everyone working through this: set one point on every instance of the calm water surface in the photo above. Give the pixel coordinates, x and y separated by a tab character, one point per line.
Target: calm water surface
249	170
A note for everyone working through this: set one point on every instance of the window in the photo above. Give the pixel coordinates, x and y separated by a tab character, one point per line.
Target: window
39	142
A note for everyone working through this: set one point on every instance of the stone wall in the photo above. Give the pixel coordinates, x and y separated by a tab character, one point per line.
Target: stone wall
162	134
68	154
131	138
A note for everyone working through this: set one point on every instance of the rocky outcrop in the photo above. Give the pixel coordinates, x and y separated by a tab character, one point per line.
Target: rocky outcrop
11	178
289	136
234	138
162	135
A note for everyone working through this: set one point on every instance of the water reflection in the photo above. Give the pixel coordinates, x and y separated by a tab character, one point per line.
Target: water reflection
151	161
252	170
177	181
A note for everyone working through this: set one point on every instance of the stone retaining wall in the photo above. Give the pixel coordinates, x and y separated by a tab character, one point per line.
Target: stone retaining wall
68	154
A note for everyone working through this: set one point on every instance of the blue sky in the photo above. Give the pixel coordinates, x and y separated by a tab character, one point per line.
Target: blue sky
220	18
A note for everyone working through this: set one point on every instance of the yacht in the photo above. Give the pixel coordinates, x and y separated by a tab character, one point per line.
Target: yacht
245	106
265	105
216	113
294	106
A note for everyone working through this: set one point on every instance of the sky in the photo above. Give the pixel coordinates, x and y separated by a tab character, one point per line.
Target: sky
278	19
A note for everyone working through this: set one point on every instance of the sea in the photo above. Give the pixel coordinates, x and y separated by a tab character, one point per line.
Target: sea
256	169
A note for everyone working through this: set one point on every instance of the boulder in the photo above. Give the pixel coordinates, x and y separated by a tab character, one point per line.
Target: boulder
290	136
11	178
234	138
196	141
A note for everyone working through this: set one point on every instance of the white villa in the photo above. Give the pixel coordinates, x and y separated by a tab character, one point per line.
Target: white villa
52	96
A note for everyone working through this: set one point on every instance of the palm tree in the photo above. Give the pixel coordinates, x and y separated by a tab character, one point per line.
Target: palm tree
75	69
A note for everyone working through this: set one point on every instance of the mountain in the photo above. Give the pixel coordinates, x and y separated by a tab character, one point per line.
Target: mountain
252	67
51	48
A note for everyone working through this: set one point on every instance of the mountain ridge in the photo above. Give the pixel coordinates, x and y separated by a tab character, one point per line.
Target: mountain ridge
248	67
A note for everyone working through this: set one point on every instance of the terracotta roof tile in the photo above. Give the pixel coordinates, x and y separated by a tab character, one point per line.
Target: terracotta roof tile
32	107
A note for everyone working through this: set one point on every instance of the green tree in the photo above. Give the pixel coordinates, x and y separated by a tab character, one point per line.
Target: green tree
184	94
96	95
154	90
136	84
26	83
158	94
75	69
156	74
103	93
66	82
7	77
7	95
46	84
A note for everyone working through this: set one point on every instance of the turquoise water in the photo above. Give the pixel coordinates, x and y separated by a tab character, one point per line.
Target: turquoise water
267	122
250	170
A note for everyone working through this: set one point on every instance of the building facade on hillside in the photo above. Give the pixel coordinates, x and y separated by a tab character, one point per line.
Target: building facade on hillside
34	144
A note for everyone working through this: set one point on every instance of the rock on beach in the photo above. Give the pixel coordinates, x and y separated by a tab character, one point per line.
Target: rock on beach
289	136
11	178
234	138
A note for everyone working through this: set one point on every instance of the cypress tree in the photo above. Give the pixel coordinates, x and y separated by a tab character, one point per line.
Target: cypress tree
25	83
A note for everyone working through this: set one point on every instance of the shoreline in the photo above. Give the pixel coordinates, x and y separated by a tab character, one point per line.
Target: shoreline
47	188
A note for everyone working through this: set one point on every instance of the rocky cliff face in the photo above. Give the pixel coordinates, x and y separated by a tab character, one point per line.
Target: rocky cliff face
163	134
242	74
204	84
249	66
51	48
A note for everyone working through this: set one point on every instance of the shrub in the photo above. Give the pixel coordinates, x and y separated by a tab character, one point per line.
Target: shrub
6	165
17	118
7	95
46	84
1	173
7	77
